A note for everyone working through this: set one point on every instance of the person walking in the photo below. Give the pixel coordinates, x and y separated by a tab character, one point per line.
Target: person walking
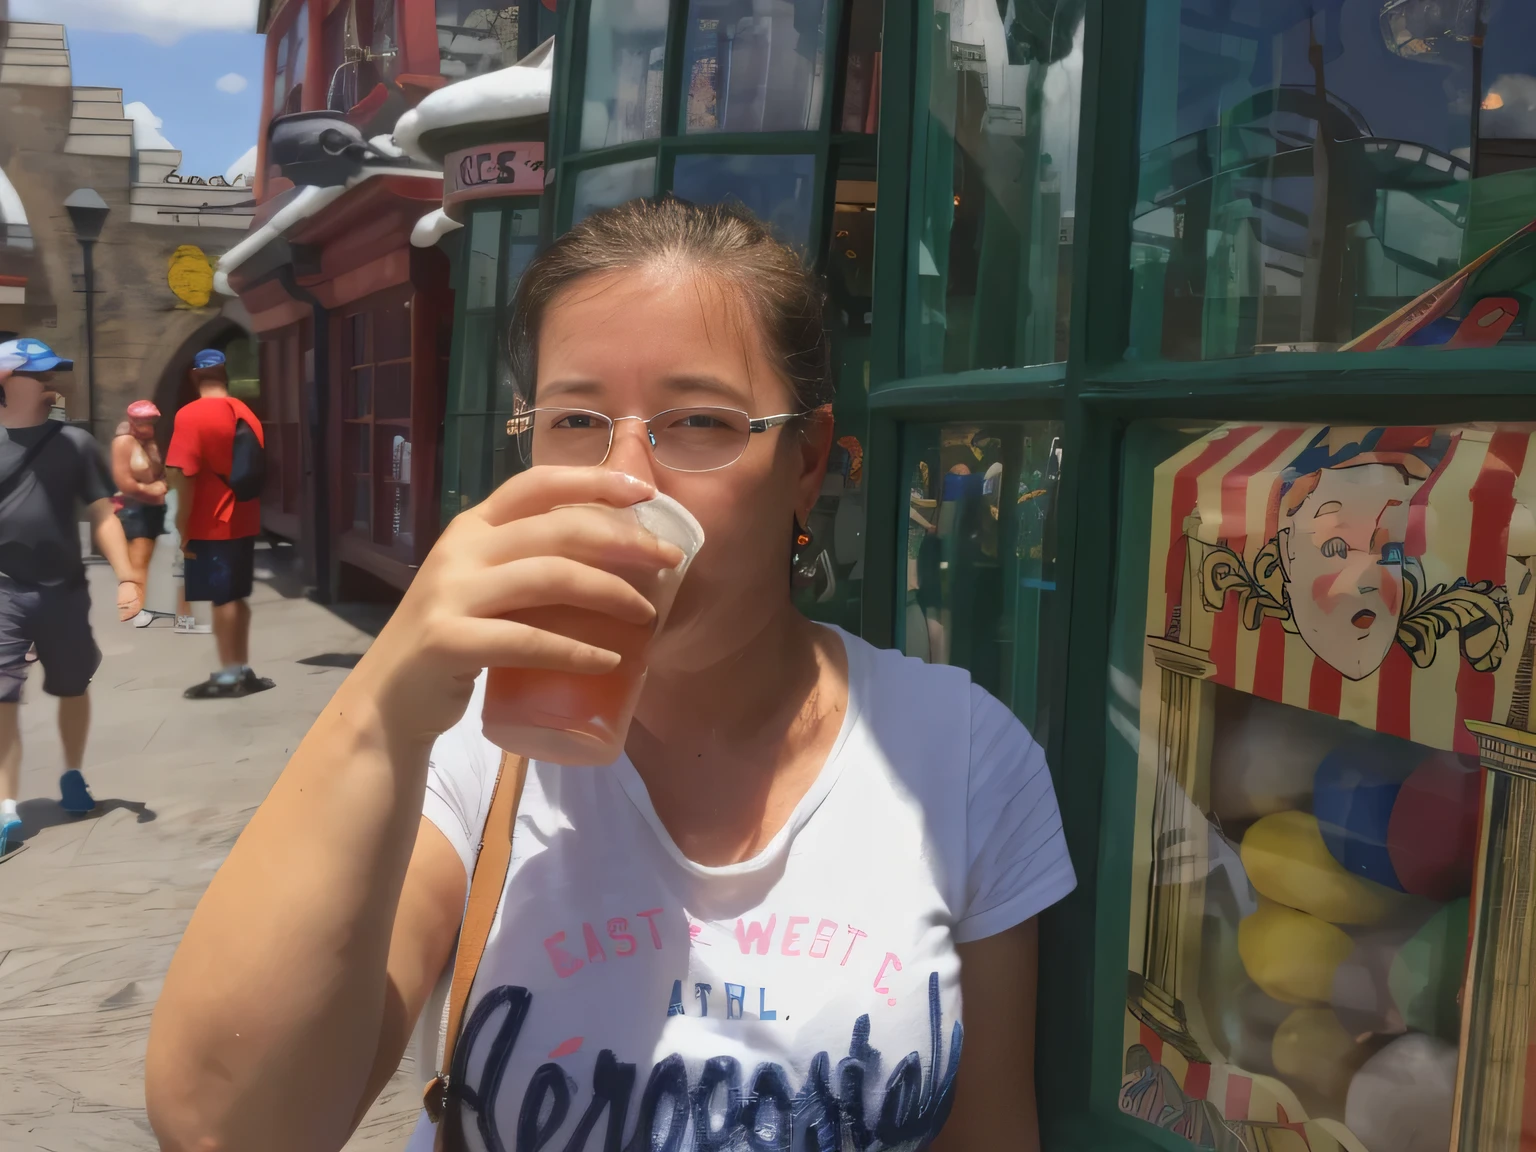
217	529
139	474
47	469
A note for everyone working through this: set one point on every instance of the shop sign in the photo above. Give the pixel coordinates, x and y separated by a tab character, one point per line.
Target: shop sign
493	170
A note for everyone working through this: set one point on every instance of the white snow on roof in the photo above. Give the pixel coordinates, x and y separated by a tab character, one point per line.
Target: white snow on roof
11	211
433	227
307	201
508	94
146	127
245	166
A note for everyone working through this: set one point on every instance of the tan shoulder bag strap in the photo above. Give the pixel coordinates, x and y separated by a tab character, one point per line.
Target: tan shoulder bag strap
485	888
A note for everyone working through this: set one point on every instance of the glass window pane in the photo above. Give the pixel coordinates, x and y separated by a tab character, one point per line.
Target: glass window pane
612	184
861	85
361	389
392	391
483	255
626	50
1334	176
754	66
1320	659
474	37
778	190
393	485
996	166
977	587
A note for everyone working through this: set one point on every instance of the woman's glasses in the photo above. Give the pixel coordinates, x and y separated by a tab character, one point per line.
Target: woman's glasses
682	439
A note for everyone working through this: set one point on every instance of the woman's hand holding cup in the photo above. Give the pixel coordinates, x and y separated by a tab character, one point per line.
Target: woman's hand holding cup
535	542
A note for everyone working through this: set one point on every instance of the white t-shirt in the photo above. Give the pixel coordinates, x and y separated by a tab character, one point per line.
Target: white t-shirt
629	998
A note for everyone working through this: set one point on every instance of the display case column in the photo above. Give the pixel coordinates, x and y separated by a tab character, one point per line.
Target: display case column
1179	834
1496	1025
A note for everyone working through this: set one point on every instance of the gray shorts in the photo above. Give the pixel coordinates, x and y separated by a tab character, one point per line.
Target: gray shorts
58	621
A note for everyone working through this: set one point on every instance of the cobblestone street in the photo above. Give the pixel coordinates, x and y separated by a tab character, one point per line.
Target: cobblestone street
91	908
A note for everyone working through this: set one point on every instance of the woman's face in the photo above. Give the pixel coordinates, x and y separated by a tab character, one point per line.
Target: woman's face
640	342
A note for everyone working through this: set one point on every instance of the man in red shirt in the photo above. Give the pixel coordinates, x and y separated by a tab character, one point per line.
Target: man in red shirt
218	532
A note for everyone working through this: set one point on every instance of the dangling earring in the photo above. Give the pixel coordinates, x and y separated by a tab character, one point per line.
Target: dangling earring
802	567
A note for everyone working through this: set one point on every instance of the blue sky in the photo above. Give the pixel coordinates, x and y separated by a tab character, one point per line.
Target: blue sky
180	83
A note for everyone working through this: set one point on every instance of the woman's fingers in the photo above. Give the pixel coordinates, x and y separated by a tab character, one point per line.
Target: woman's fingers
466	644
597	536
542	581
539	489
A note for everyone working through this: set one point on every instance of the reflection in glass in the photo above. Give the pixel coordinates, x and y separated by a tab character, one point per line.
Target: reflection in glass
778	190
979	583
1308	171
474	37
611	185
754	66
996	164
483	255
861	83
626	51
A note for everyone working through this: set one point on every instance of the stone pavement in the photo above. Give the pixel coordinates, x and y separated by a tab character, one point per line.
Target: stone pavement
92	908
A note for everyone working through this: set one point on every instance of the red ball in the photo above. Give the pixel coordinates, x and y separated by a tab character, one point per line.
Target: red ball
1432	834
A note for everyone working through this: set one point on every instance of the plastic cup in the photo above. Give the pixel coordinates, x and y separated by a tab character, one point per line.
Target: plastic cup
571	718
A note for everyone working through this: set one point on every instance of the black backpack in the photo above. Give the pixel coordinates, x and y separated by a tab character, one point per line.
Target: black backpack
247	462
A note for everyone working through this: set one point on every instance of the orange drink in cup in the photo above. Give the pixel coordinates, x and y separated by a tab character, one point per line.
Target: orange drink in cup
570	718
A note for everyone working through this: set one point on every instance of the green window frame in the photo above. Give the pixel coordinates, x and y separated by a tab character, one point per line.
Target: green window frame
1098	392
475	446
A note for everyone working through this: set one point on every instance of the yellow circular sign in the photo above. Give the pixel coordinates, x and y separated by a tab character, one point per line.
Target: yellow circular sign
191	276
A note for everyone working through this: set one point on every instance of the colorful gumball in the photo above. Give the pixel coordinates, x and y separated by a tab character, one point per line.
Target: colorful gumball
1353	794
1291	955
1287	861
1264	756
1426	973
1317	1058
1400	1100
1432	835
1362	991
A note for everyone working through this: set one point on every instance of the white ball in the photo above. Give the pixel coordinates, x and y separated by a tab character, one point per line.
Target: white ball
1400	1100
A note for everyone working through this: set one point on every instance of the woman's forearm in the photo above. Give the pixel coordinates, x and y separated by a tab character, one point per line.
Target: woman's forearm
267	1027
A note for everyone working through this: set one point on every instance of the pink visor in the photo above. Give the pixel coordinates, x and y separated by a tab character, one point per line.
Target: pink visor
143	410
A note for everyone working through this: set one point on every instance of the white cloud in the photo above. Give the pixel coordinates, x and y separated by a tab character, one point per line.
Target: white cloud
230	82
146	126
245	166
163	21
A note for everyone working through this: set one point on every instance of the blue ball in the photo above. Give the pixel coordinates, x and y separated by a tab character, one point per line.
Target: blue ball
1353	793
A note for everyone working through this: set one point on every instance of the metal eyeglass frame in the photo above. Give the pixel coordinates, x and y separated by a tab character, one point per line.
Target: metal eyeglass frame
755	424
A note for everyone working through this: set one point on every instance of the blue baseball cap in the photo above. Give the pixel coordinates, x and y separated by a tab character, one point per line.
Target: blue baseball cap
28	355
208	358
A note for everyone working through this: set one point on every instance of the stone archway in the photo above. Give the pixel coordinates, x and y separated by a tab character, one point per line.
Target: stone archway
174	386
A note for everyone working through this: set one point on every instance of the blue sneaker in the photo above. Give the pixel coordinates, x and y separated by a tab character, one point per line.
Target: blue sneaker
9	826
75	796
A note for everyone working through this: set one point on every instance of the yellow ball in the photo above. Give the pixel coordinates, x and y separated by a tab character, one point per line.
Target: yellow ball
1291	955
1286	860
1314	1053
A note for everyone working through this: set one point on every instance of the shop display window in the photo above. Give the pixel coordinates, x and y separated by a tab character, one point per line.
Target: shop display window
474	37
612	184
1345	175
977	585
626	59
1321	671
282	356
778	190
376	423
995	165
754	66
500	241
292	57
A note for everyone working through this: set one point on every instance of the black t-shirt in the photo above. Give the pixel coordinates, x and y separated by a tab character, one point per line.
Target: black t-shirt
39	533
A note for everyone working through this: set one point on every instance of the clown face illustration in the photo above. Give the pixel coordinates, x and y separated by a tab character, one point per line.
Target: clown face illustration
1341	550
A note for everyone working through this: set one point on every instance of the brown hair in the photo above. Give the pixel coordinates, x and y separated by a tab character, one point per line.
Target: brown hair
719	241
215	374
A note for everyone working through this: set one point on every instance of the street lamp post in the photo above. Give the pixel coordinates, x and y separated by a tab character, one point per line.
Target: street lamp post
88	212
